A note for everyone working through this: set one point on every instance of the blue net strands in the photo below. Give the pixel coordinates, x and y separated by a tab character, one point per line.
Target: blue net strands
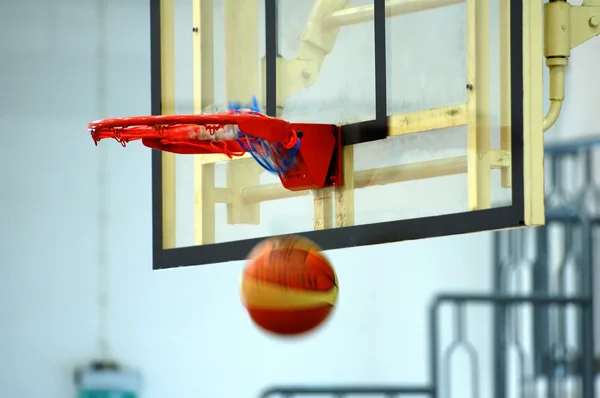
271	156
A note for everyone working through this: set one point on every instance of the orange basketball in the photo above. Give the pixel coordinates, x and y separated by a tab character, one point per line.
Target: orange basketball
288	286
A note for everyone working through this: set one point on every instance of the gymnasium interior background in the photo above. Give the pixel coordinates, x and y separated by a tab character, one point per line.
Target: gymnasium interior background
76	222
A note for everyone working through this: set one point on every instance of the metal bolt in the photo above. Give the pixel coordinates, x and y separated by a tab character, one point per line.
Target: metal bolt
563	27
594	22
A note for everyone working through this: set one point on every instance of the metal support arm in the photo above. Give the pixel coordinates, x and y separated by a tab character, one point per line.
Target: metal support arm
565	27
322	28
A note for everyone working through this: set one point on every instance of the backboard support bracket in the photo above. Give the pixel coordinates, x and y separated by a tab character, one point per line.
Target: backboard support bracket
565	27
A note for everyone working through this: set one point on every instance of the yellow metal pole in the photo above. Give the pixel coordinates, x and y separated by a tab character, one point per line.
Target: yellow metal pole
322	208
505	94
241	54
427	120
478	104
167	48
533	113
344	195
204	168
371	177
242	70
360	14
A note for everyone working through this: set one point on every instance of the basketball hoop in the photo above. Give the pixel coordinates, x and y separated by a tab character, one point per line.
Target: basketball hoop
303	155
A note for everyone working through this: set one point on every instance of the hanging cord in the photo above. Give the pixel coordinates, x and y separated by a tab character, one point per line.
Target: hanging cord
102	184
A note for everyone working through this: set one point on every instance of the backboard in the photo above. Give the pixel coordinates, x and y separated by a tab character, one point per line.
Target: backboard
440	103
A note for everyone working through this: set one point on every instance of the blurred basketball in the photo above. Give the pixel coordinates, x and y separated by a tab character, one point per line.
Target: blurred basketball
288	286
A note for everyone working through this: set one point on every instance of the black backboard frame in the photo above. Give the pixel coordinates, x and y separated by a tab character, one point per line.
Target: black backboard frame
359	235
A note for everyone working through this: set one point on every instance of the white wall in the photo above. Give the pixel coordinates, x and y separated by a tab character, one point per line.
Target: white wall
50	83
185	328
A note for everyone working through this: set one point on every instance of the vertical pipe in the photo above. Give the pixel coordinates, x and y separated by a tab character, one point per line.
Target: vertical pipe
499	332
433	350
541	325
587	313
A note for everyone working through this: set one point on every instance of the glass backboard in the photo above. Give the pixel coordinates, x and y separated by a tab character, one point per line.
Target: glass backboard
439	103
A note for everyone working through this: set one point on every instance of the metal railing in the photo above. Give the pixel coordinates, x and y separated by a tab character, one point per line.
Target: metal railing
542	304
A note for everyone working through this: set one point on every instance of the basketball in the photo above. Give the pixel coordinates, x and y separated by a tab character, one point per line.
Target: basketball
288	286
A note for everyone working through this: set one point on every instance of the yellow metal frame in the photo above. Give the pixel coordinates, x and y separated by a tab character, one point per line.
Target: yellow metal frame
335	207
478	104
533	113
167	67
